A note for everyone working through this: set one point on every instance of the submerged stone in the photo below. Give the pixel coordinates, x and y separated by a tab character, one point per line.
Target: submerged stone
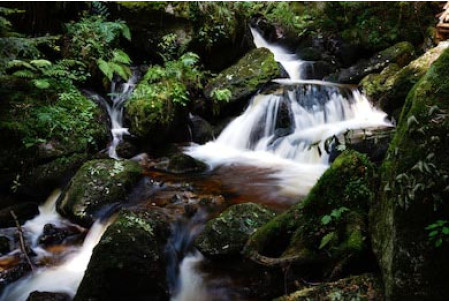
227	234
48	296
96	185
129	262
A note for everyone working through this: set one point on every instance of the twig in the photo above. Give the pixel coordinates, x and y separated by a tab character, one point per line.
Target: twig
21	240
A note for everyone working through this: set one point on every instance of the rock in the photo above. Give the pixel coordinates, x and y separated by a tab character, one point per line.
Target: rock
366	287
55	235
317	69
327	228
401	54
129	261
13	273
244	78
24	211
97	184
201	130
48	296
309	54
4	245
227	234
42	179
389	89
180	163
414	195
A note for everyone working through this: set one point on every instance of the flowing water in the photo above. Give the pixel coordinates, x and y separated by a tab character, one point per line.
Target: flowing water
64	277
285	132
119	93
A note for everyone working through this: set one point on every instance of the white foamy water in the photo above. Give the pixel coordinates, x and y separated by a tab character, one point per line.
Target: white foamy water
65	277
290	62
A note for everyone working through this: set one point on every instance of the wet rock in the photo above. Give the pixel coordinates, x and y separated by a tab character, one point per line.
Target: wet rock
327	228
52	235
309	54
40	180
97	186
408	221
24	211
389	88
13	273
4	245
201	130
129	261
401	54
48	296
126	149
244	78
365	287
180	163
227	234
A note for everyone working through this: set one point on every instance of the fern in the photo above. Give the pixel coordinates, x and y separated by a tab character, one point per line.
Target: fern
41	83
24	73
105	69
40	63
121	57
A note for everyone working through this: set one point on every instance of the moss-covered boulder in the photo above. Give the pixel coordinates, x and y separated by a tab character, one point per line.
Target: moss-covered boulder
97	184
227	234
37	127
366	287
327	227
410	222
389	88
244	78
180	163
129	262
401	54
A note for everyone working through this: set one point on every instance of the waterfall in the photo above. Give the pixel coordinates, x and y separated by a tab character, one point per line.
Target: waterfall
119	93
65	277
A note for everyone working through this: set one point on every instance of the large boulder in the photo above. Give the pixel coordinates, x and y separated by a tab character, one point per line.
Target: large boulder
180	163
389	88
244	78
410	221
38	128
366	287
227	234
97	184
329	226
401	54
129	262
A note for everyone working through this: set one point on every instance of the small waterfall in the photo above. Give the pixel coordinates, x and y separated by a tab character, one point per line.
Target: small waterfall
120	92
291	64
65	277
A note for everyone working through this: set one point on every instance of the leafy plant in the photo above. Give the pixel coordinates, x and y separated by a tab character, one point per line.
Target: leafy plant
335	214
438	232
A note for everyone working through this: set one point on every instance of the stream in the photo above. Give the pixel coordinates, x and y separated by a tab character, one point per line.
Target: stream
272	154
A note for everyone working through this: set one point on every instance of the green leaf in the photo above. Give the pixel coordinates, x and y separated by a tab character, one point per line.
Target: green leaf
445	230
433	234
105	69
41	83
120	56
122	70
24	74
326	239
126	32
325	220
41	63
438	243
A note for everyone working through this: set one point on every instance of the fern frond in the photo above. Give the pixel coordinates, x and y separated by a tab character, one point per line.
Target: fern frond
105	69
120	56
40	63
24	73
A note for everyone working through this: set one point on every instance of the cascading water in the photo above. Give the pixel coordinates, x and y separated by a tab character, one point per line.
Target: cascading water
64	277
284	131
119	93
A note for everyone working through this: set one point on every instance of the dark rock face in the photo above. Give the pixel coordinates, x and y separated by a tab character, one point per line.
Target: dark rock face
129	261
4	245
48	296
401	54
365	287
98	184
24	211
227	234
201	130
53	235
14	272
327	227
414	195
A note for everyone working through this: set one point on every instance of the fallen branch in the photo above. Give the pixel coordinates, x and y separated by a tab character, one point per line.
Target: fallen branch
22	245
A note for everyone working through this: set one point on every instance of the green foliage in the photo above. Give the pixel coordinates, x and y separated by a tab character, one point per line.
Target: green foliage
335	214
93	40
438	232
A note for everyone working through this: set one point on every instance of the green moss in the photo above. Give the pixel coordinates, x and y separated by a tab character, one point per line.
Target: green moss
414	192
244	78
96	184
329	223
226	235
128	263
